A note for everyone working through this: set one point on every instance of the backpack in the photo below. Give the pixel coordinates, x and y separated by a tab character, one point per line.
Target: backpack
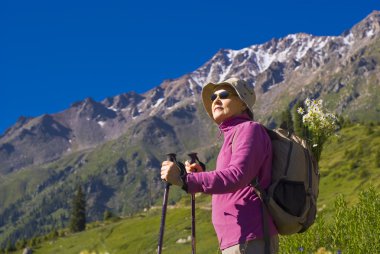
291	198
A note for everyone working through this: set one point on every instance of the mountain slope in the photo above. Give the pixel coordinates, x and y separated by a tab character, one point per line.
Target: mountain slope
122	175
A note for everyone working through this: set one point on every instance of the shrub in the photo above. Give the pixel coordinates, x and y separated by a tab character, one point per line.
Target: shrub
353	229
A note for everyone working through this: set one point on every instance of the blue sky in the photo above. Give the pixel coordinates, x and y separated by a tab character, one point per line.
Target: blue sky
53	53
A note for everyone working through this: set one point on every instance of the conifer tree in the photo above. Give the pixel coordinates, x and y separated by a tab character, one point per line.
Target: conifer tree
107	215
21	243
9	247
78	213
286	121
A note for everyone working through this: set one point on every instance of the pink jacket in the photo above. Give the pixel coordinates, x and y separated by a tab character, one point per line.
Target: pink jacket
236	209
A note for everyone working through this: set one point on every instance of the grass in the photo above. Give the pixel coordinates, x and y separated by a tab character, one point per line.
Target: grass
348	163
352	229
139	234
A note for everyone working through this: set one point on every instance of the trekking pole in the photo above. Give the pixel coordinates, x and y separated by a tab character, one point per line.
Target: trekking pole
169	157
193	159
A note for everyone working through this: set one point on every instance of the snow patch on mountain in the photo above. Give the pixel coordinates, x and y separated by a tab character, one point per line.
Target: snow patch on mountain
158	102
192	86
101	123
370	33
348	39
113	108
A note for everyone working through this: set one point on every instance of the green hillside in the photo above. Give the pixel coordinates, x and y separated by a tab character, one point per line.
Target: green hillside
350	163
139	235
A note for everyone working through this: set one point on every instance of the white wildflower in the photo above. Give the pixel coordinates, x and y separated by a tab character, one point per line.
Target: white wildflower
307	102
320	124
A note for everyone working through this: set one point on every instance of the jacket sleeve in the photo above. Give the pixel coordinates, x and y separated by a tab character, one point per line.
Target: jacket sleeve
250	149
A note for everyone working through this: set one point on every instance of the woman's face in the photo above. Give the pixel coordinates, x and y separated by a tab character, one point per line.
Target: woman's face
224	108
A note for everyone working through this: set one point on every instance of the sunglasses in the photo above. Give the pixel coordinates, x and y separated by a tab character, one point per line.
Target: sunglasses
222	95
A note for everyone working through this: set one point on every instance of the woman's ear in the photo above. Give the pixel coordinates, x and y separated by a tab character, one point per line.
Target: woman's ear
243	107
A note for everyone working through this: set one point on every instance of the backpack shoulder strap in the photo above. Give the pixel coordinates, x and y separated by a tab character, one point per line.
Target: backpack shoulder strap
233	140
265	213
234	135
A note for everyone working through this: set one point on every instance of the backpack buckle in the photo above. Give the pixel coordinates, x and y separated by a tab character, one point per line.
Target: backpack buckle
255	183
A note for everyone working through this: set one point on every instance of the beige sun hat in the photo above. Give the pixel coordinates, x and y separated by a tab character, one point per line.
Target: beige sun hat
243	90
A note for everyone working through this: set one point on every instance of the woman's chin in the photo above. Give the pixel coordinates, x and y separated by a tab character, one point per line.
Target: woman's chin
219	118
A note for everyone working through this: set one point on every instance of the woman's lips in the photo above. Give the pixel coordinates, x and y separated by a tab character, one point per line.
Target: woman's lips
216	108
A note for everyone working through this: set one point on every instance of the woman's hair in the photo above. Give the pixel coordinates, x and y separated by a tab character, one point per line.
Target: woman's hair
249	113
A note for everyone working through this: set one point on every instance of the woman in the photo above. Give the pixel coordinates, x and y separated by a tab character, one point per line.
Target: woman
246	153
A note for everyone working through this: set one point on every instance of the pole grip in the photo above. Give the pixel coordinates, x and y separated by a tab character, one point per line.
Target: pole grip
194	158
171	157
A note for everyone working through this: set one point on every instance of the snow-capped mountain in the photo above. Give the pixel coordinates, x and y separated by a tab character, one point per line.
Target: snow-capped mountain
341	69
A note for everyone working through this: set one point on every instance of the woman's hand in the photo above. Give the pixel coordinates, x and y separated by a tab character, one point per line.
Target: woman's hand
171	173
193	168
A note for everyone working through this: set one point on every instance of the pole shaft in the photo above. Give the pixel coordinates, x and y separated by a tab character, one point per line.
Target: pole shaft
163	218
169	157
193	241
193	157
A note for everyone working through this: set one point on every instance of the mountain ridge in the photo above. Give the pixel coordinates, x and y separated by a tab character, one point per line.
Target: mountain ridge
281	66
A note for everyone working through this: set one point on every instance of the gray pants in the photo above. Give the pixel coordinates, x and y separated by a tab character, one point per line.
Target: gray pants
253	247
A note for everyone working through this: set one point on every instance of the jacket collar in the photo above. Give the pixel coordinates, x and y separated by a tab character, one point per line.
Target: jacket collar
233	121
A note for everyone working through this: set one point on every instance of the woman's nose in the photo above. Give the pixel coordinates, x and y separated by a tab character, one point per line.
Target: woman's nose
217	101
